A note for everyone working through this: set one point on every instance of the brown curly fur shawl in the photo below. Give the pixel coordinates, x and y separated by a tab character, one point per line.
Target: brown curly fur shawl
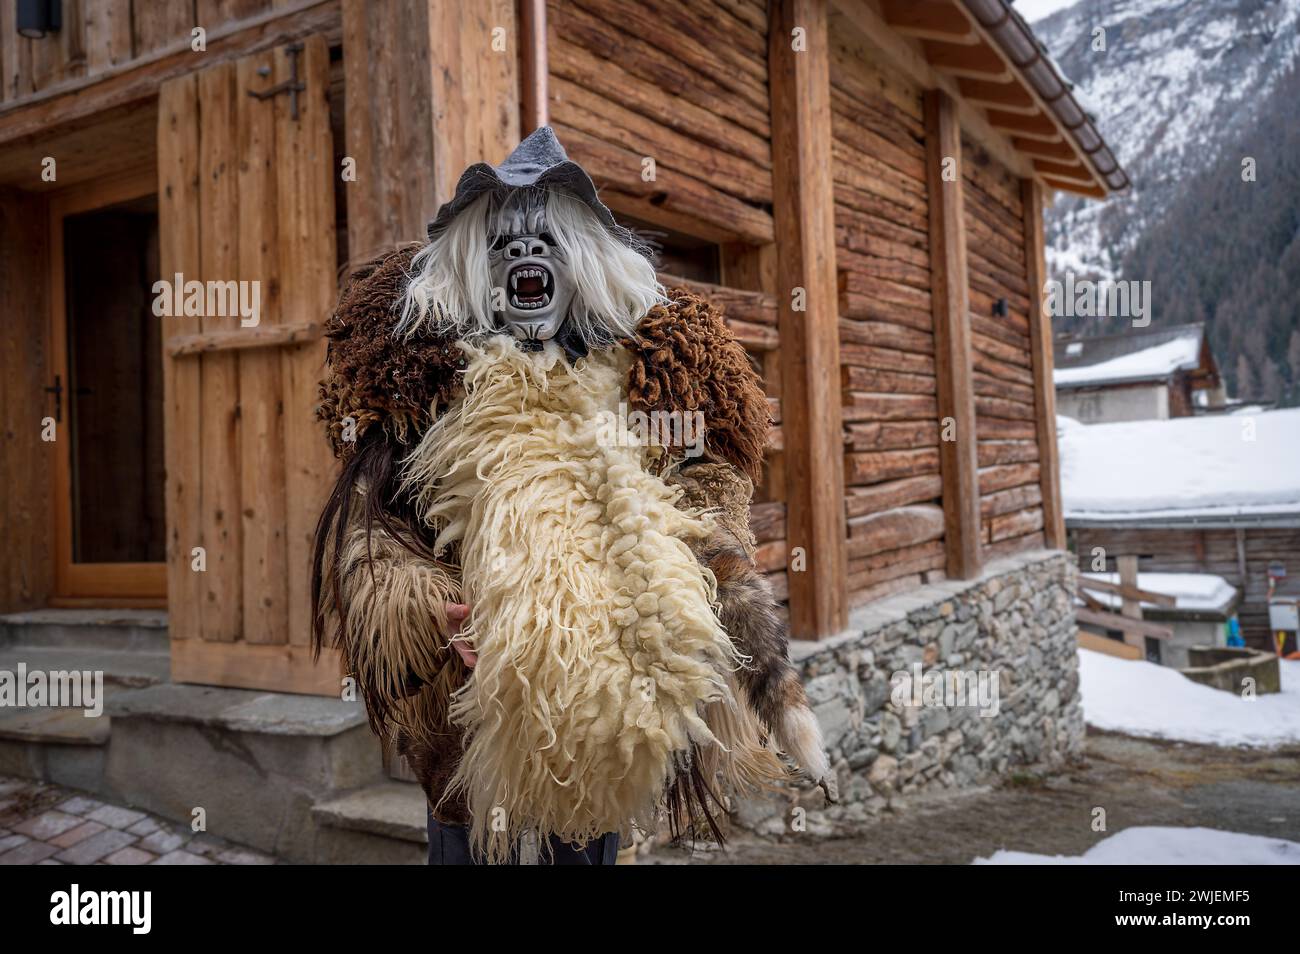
684	359
373	377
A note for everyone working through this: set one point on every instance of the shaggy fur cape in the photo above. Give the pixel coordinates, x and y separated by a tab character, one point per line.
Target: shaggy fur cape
387	559
597	644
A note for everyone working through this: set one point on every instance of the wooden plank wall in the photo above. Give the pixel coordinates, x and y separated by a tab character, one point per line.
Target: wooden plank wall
702	112
100	35
887	345
1011	512
1203	551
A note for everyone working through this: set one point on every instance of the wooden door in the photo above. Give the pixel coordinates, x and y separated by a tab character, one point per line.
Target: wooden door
105	395
245	190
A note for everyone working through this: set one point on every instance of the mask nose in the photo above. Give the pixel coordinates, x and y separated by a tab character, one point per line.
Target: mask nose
521	248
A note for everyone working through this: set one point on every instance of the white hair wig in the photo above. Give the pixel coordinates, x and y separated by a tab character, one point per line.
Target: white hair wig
450	290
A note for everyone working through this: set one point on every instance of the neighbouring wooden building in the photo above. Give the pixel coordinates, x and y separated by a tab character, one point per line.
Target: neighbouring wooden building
1141	374
860	182
1213	494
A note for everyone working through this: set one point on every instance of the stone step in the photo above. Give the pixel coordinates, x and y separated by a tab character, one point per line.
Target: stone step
58	744
255	762
131	668
381	824
117	630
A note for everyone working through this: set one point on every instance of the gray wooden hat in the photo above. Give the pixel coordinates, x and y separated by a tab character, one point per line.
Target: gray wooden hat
538	161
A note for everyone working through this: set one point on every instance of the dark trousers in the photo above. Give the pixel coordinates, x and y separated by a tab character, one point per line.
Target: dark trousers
449	845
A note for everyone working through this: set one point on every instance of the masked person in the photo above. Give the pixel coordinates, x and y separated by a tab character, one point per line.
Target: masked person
551	608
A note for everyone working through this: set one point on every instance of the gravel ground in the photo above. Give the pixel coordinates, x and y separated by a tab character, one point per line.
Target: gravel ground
1137	782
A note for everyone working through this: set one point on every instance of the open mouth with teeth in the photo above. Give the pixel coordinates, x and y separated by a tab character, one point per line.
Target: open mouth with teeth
531	287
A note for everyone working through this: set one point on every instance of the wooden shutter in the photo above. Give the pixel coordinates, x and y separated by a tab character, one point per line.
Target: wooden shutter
246	194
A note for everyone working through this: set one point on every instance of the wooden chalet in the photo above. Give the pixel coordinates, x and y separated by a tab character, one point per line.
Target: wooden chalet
1141	374
860	182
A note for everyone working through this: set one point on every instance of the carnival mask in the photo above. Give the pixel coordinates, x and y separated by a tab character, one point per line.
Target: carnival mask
531	279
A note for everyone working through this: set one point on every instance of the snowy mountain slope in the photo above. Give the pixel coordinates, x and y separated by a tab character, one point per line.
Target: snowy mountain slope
1183	91
1178	82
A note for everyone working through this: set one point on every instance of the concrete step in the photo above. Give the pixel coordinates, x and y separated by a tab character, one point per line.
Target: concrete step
382	824
256	762
118	630
131	668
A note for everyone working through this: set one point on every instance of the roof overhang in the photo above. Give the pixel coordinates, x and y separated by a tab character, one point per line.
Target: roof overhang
1253	521
1001	67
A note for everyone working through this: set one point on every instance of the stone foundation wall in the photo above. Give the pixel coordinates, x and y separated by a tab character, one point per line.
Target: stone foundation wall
1015	624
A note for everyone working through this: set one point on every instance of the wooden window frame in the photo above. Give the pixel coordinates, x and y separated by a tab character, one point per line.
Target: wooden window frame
98	584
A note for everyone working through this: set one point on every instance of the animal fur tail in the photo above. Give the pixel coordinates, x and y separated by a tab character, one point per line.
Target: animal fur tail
748	611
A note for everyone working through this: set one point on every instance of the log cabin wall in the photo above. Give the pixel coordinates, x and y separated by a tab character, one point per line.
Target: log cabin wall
687	87
1203	551
1011	511
891	468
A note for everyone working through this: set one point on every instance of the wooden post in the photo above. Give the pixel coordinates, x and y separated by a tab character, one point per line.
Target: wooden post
804	209
26	462
1040	333
1130	607
950	305
1128	578
427	94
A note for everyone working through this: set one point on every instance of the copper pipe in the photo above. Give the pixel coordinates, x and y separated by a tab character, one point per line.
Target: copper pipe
534	98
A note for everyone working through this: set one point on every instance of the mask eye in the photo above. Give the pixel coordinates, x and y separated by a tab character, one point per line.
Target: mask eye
499	243
548	238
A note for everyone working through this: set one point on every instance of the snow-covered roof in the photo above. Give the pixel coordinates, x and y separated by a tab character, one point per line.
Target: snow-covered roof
1241	468
1194	592
1150	355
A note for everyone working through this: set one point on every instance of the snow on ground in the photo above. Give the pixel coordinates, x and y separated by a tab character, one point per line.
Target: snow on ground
1214	466
1139	698
1203	592
1167	846
1158	361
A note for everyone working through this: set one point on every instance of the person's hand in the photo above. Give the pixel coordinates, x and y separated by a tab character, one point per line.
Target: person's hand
457	613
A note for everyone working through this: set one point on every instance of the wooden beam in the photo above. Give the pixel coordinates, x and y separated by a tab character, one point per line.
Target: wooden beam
27	463
534	65
267	336
1111	647
930	20
1096	192
1129	627
977	62
1065	172
1060	151
1040	342
804	207
950	306
1128	591
1027	127
1011	96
